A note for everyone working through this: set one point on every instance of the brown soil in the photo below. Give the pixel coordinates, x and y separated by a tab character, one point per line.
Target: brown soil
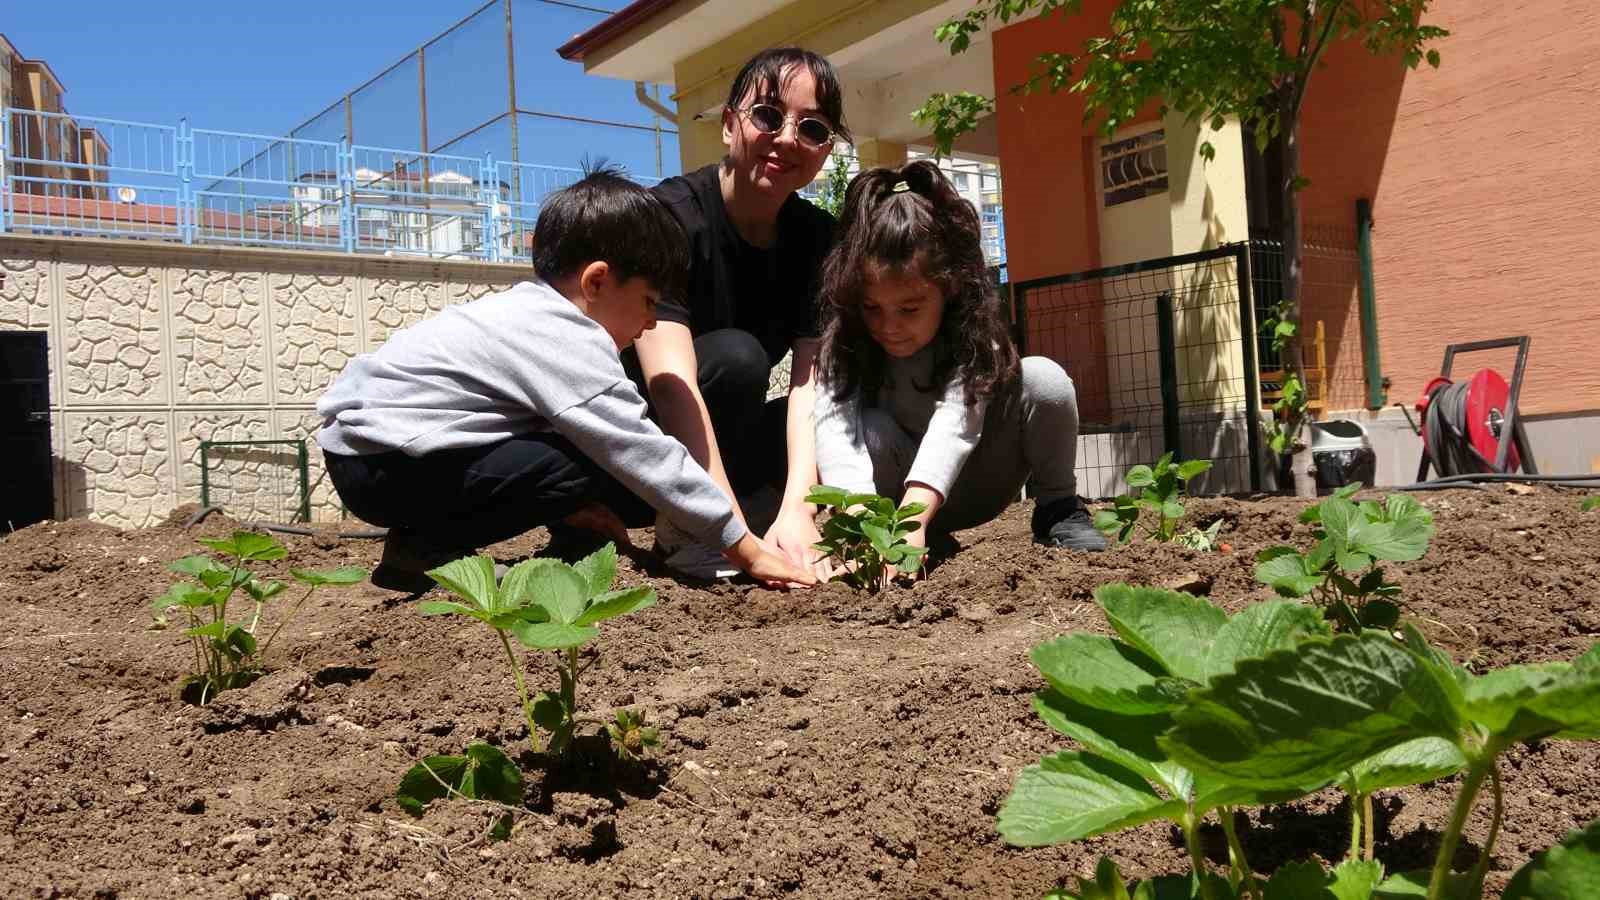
821	744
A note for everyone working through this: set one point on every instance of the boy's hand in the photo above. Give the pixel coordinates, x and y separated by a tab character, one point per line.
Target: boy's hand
765	566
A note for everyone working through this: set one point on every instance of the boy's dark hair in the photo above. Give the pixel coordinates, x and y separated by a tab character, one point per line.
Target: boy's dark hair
605	216
761	81
910	221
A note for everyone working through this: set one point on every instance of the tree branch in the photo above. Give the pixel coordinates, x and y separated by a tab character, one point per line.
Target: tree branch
1316	53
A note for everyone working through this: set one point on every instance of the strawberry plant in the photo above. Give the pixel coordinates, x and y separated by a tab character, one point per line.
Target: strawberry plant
866	533
1189	711
545	604
1591	504
1162	485
1341	571
226	653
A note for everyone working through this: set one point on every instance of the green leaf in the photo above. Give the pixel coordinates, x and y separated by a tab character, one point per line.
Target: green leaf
1070	796
1350	880
617	603
449	607
1172	509
241	642
262	591
1286	572
1106	520
187	595
194	565
1129	741
881	539
1259	629
1140	476
553	635
340	576
421	785
484	773
1414	762
598	569
1520	703
559	591
1380	614
1308	714
212	630
1591	504
911	509
470	578
1192	468
1172	628
247	546
912	559
224	577
491	775
549	712
824	495
1568	871
1407	885
1100	672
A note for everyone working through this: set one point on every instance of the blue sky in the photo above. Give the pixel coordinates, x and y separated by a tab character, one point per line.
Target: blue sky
266	67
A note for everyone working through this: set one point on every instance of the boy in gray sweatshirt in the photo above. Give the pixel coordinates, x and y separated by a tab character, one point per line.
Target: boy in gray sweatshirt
513	410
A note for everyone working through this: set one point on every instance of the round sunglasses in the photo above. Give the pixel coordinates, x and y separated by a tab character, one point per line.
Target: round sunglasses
768	119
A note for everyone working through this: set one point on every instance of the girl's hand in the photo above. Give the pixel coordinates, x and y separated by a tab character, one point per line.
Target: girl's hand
918	538
769	568
793	533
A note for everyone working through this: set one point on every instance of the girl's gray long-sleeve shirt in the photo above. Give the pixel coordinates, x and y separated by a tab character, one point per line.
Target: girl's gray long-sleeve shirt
515	362
946	428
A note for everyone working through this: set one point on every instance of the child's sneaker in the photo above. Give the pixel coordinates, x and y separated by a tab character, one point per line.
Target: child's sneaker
407	557
1066	523
687	556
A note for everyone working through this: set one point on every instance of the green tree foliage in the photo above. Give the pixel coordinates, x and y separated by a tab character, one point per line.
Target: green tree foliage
1209	60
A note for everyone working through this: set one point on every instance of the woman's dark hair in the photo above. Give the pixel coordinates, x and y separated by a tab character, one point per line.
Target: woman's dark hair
762	79
606	216
910	221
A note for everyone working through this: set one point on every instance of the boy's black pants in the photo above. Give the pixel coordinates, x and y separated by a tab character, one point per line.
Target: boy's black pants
471	497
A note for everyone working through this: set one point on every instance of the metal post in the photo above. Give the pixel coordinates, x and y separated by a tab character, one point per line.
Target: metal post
1371	361
1252	368
511	87
1166	336
427	167
5	169
490	197
347	197
205	474
188	206
305	481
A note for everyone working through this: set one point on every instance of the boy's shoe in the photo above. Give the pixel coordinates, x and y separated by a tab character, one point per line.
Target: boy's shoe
1066	523
687	556
407	557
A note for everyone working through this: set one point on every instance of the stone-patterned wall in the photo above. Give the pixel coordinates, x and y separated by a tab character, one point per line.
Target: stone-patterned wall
155	348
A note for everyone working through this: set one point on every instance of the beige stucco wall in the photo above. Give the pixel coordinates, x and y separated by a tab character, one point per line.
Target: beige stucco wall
154	348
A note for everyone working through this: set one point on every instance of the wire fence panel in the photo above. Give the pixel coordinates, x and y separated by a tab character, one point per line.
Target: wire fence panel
1158	354
60	177
202	186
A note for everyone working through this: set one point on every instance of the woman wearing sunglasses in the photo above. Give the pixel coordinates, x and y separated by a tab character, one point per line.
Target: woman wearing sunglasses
756	251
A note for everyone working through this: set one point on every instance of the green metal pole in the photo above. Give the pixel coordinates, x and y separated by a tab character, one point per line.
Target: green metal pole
1377	385
1166	334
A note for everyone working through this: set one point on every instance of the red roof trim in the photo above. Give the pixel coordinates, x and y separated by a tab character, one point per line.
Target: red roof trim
620	23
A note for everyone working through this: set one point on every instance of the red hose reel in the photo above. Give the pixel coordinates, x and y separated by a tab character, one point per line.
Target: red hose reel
1473	426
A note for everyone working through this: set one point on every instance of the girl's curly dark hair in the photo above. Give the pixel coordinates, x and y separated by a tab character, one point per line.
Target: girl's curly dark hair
923	228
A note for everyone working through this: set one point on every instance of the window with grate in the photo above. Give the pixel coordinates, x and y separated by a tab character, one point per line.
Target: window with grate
1133	168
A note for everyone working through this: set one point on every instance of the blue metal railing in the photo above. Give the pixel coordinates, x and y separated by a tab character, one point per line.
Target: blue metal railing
79	175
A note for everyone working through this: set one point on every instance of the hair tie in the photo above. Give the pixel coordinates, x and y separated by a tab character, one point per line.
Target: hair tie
902	185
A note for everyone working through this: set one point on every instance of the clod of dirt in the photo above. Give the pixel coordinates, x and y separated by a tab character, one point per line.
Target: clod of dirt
1189	583
975	612
269	703
586	827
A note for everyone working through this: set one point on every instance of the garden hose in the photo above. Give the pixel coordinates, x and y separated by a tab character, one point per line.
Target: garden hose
301	530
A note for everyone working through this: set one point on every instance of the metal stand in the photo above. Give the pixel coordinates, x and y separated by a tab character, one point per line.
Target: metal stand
1512	426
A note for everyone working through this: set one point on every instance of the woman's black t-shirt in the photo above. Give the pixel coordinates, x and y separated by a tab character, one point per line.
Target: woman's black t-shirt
769	292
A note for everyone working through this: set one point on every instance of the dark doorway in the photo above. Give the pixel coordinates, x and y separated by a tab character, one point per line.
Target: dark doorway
27	484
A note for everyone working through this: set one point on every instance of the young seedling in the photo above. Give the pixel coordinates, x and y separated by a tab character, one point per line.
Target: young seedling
1341	572
484	774
867	535
630	737
226	653
1162	485
546	605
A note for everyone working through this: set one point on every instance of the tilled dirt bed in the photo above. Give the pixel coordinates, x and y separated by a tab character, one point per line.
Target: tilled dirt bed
820	744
